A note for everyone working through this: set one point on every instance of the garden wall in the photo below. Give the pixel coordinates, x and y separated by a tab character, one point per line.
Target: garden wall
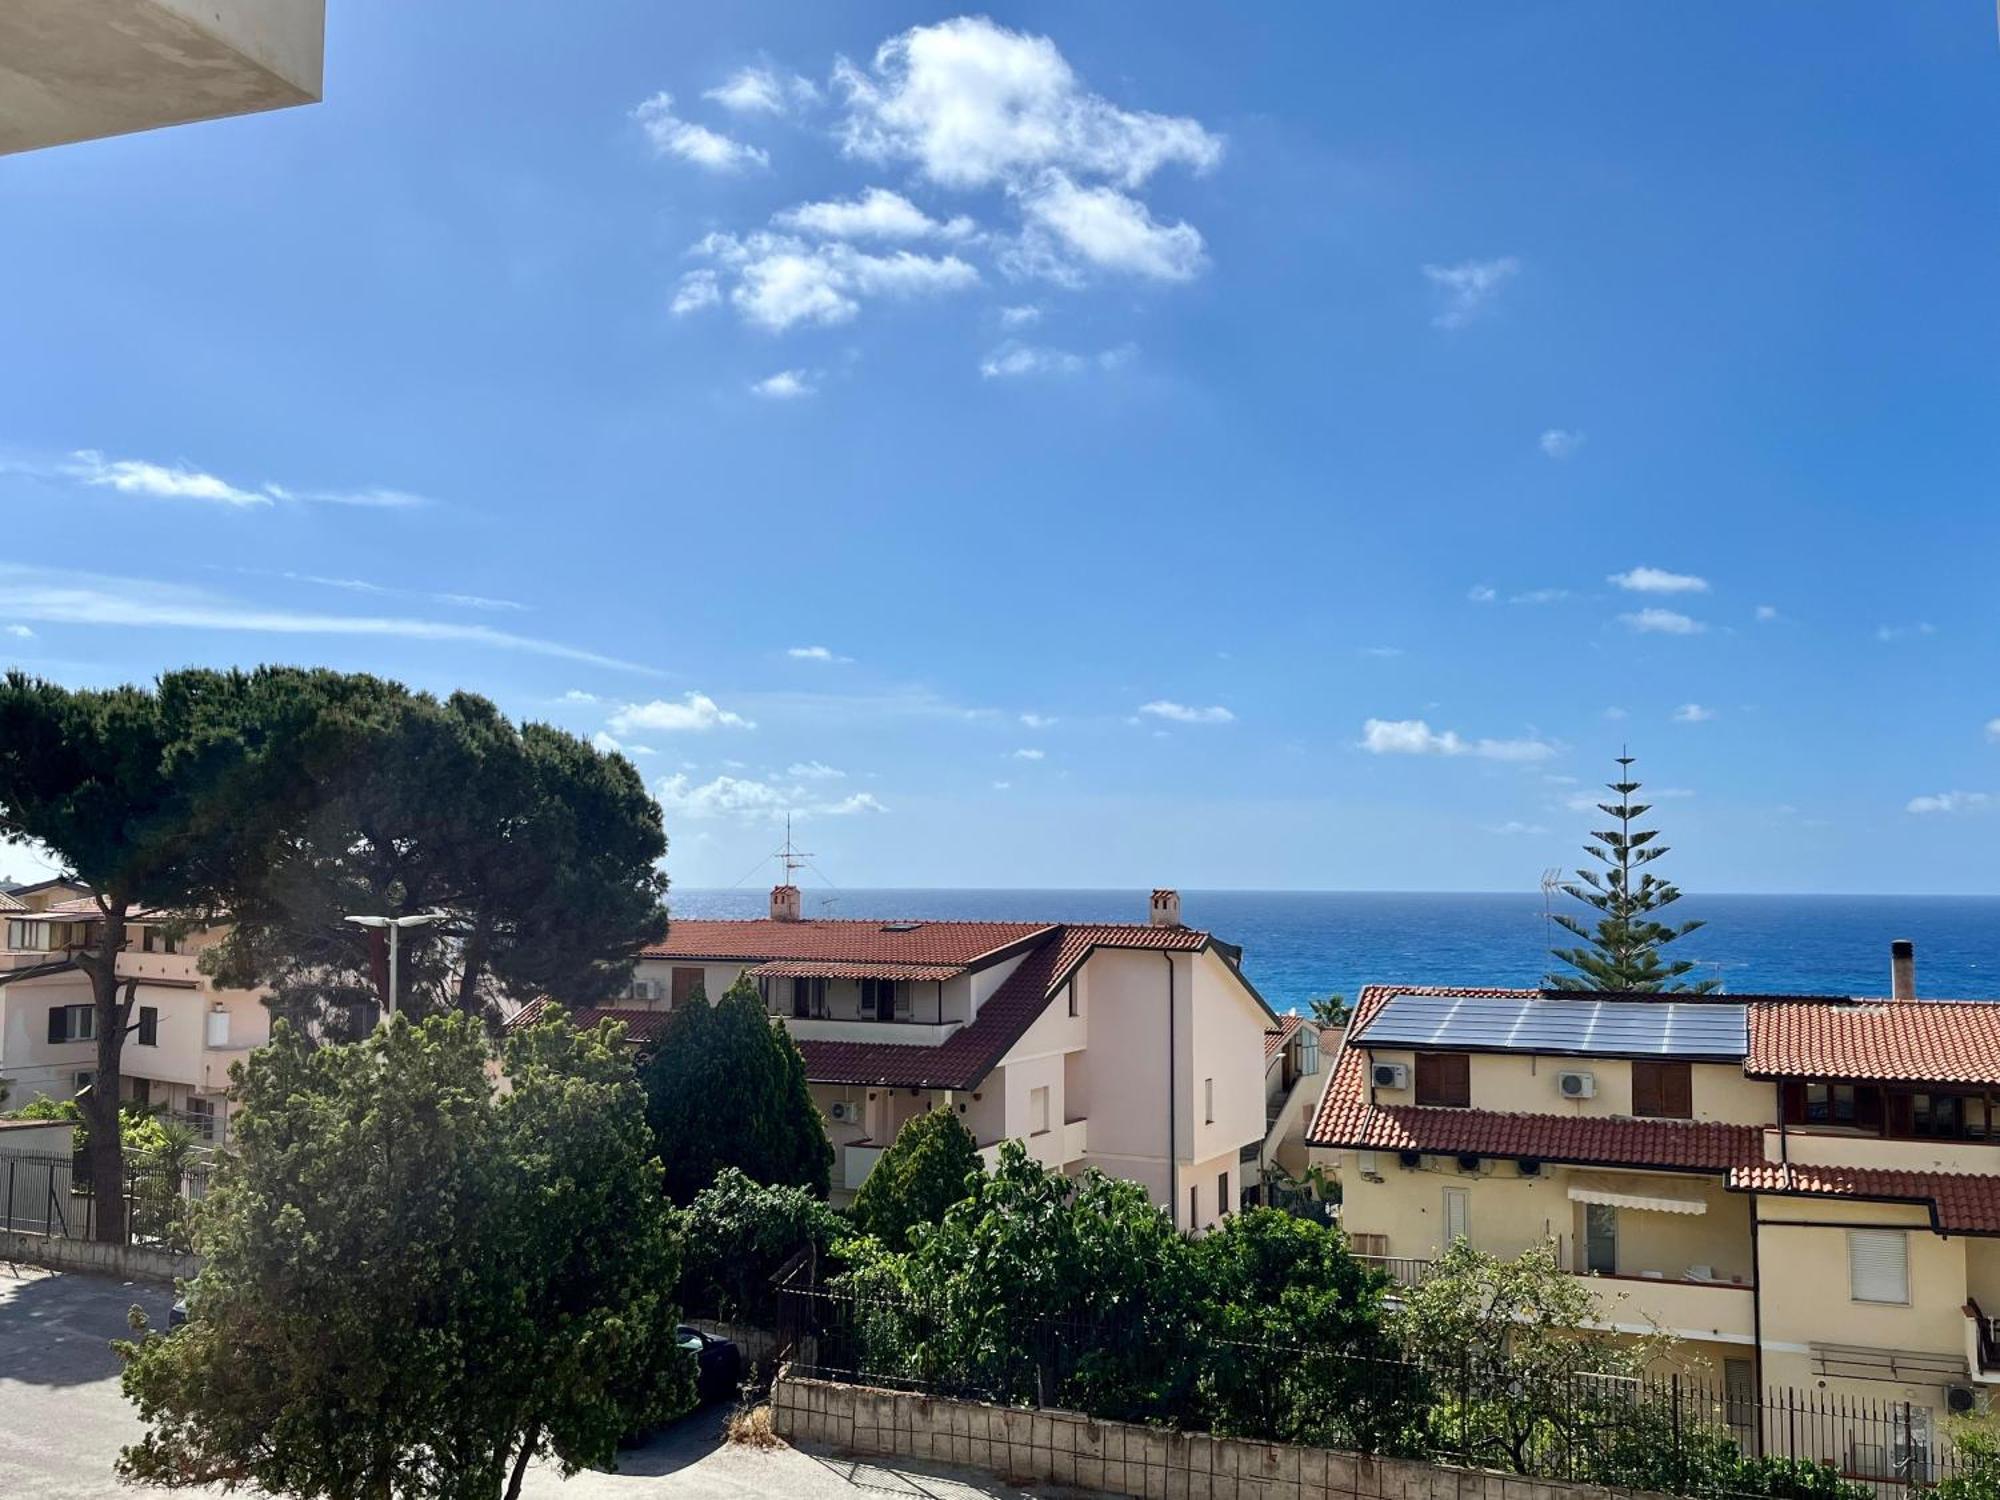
1068	1448
133	1262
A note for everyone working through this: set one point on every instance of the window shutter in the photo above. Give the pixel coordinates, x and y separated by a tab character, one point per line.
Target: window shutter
1878	1265
1454	1215
1678	1094
58	1025
1444	1078
149	1026
1646	1094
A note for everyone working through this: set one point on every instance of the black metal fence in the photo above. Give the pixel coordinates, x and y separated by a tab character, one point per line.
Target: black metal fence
52	1195
1682	1432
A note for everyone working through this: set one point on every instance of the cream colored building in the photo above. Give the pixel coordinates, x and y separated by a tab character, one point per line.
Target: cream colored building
186	1032
1138	1049
1804	1191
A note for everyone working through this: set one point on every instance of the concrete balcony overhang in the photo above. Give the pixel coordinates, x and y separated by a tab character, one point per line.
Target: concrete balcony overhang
76	70
898	1033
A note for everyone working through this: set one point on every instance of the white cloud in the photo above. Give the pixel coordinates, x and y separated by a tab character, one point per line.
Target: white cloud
21	632
973	105
1380	651
1103	228
705	148
1044	721
157	481
1952	802
610	746
1692	713
1539	596
786	385
1482	593
1416	737
1561	442
1013	360
1020	317
815	653
782	280
54	596
725	796
1515	825
1766	613
698	289
877	214
1904	632
1030	754
1001	786
1658	581
1182	713
759	90
1469	287
696	712
578	695
814	770
1616	713
1992	725
1662	622
857	802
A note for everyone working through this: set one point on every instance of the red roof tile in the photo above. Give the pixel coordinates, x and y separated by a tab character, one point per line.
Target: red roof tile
833	968
1276	1037
958	943
1959	1203
11	902
640	1025
1594	1140
1917	1041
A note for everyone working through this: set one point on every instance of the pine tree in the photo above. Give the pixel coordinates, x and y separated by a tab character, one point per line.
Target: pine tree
1623	947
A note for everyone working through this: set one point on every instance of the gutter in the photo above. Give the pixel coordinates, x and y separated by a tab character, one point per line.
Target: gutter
1173	1114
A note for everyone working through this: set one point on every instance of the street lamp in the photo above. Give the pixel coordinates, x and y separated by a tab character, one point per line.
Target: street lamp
395	926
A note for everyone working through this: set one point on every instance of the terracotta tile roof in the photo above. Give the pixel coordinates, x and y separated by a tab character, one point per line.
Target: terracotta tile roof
957	943
1917	1041
640	1025
833	968
1276	1037
1959	1202
11	902
1592	1140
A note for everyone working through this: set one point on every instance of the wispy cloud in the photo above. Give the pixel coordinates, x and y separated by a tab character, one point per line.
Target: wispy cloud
20	632
786	385
783	281
1182	713
1952	802
762	90
1561	442
698	288
611	746
1905	632
1024	316
1013	359
383	590
1469	287
1662	622
816	653
876	214
1030	754
1045	721
708	149
1766	613
1538	596
1482	593
747	799
814	770
695	713
1992	726
72	598
1515	826
1416	737
1658	581
177	481
1693	713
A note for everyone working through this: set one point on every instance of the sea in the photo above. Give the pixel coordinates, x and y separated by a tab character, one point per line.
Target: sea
1300	945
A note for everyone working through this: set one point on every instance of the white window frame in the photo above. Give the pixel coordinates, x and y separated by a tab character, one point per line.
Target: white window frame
1882	1239
1038	1110
1463	1199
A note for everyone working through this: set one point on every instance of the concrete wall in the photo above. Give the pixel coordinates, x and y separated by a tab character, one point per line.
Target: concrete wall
136	1262
1069	1449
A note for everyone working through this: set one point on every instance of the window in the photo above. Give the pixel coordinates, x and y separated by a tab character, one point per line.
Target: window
1072	997
1308	1050
1444	1078
149	1026
1194	1205
1038	1111
1663	1090
1208	1099
82	1079
1600	1239
1370	1244
28	937
201	1115
687	984
156	940
72	1023
808	998
1222	1192
1457	1219
1878	1265
884	999
142	1091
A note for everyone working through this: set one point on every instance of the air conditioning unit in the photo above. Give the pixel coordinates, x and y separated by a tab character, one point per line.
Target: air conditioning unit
842	1112
1369	1164
1390	1076
1410	1161
1577	1085
1961	1398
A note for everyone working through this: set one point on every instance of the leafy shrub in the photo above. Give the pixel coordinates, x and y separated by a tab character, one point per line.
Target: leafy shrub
922	1174
735	1236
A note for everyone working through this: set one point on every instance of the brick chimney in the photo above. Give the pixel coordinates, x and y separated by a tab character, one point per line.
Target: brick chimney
784	903
1902	970
1166	908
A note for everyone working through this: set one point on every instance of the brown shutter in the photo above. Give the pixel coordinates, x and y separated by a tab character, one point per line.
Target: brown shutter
1444	1078
1646	1098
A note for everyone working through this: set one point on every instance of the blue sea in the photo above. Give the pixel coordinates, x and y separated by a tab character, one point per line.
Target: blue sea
1298	945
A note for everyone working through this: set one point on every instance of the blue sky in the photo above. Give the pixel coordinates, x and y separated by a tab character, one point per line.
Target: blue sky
1286	449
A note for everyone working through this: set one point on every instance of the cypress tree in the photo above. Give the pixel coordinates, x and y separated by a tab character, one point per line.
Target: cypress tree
1623	946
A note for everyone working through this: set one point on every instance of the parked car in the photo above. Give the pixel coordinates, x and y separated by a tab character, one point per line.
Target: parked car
178	1313
718	1363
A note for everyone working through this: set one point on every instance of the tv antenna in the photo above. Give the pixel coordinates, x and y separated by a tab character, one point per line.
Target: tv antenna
793	859
1552	881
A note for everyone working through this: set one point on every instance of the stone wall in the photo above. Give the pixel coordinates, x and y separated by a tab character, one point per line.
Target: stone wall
133	1262
1068	1448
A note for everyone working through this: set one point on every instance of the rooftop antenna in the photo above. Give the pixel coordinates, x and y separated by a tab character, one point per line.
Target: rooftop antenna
1552	881
793	859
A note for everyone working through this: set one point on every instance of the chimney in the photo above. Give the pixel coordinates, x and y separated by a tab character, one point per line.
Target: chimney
1166	908
784	903
1902	970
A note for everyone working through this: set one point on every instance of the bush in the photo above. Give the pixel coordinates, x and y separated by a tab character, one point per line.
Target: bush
735	1236
923	1173
1977	1474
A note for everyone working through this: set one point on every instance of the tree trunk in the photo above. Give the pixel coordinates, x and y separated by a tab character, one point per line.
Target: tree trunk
100	1105
472	959
528	1441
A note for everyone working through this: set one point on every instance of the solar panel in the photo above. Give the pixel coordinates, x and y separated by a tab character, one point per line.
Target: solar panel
1579	1028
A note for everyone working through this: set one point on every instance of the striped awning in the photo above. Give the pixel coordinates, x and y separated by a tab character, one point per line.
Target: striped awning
1624	1195
819	968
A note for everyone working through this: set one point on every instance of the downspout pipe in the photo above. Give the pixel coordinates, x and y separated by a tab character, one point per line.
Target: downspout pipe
1173	1109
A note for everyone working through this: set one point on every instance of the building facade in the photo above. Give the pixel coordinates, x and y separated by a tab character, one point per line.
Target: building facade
1805	1191
1138	1049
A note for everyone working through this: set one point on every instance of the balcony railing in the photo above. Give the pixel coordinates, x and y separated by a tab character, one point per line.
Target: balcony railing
1403	1271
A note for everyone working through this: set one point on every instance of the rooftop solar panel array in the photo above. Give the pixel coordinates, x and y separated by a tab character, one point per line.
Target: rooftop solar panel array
1578	1028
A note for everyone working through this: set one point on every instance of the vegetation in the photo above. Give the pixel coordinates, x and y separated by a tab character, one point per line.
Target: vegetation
922	1174
1330	1010
1976	1474
726	1087
1622	949
736	1235
415	1281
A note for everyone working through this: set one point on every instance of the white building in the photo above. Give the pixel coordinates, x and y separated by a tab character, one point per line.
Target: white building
1138	1049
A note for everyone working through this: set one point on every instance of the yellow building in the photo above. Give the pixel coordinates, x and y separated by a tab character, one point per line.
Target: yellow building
1805	1191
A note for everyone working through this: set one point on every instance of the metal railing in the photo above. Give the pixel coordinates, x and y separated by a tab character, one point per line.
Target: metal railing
52	1195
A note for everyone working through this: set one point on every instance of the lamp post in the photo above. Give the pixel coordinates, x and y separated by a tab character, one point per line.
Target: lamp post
395	926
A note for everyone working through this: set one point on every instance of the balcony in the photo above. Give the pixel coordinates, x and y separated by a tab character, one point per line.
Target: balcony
895	1033
1690	1307
1076	1140
1982	1344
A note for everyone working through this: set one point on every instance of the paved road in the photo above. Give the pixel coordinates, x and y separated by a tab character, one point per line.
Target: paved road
62	1419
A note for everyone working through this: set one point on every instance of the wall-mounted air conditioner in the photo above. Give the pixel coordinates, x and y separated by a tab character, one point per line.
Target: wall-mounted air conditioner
842	1112
1576	1084
1369	1164
1390	1076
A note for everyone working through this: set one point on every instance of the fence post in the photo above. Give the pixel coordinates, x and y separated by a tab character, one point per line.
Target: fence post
1680	1454
1465	1408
